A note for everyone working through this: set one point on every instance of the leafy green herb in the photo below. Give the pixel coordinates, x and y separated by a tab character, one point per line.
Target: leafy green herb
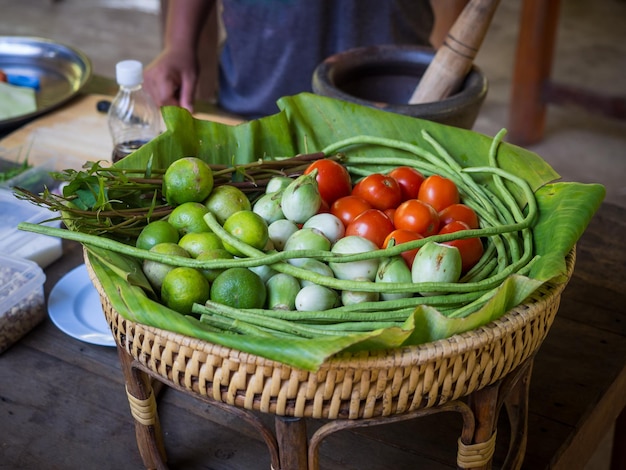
103	199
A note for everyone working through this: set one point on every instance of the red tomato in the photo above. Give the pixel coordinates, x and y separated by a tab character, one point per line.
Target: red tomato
409	180
471	249
390	213
348	207
333	179
381	191
459	212
402	236
372	224
439	192
417	216
324	207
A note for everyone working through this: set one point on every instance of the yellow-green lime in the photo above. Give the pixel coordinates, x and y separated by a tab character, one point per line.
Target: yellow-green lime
156	271
249	227
189	217
198	242
218	253
239	288
159	231
187	179
225	200
183	287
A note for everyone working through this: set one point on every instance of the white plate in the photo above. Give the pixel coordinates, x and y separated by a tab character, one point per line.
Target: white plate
74	307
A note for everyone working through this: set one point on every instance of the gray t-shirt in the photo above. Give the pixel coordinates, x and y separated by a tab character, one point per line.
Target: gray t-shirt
273	46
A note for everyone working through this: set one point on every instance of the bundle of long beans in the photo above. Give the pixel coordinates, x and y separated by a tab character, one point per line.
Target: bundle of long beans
505	228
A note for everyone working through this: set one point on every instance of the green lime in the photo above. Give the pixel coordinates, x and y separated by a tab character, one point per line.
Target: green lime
155	271
199	242
159	231
239	288
249	227
187	179
183	287
189	217
218	253
225	200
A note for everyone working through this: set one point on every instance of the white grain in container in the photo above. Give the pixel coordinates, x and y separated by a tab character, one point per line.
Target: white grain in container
22	302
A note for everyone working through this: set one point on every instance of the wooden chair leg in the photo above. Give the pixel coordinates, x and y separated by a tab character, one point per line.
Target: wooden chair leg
531	73
142	401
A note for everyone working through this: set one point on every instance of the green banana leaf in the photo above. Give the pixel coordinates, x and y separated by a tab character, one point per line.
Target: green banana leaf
308	123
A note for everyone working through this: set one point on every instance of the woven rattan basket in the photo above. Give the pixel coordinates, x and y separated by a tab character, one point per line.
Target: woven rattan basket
363	385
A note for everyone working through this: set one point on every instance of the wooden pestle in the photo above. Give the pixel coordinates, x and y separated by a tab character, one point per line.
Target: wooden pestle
454	58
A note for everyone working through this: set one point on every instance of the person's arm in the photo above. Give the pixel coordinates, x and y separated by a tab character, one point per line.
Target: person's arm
446	12
171	78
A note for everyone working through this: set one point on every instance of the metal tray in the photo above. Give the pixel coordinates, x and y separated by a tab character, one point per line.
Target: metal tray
62	72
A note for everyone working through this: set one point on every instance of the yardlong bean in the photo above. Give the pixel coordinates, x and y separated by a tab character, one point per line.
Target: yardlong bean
451	287
487	205
507	232
381	311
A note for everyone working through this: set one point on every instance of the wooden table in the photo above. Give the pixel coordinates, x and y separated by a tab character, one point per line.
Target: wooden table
63	402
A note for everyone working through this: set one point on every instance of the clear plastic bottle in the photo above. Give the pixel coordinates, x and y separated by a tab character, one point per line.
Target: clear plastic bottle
133	117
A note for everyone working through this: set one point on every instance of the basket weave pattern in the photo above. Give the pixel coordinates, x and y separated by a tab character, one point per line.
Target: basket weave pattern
359	385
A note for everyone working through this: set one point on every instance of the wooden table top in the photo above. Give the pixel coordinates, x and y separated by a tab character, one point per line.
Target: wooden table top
63	403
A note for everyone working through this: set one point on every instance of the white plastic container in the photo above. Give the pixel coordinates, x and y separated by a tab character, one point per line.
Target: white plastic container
17	243
22	302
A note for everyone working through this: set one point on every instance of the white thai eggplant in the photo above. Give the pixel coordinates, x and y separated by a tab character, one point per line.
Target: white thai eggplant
268	207
277	183
264	271
282	290
316	266
279	232
313	297
331	226
394	269
306	239
301	199
354	269
436	262
350	297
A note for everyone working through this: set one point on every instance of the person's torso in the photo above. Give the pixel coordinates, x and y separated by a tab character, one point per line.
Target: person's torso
273	46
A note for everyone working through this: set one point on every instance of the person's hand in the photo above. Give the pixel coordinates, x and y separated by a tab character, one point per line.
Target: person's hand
171	78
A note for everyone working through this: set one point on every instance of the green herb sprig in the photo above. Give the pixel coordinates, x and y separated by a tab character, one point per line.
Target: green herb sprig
101	199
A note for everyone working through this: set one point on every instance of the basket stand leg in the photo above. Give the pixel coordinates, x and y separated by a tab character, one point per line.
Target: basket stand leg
479	454
142	401
516	403
512	391
292	443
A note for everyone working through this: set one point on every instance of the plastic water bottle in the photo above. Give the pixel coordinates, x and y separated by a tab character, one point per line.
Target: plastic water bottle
133	117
